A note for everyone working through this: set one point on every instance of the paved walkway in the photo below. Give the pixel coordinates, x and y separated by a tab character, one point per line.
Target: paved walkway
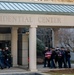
40	68
23	70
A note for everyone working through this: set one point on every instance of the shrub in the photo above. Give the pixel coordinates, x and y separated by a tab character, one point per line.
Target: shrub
40	48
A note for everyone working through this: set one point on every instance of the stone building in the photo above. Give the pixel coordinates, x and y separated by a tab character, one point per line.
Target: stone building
17	14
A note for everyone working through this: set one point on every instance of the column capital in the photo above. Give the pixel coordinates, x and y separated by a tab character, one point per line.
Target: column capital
55	29
14	28
34	26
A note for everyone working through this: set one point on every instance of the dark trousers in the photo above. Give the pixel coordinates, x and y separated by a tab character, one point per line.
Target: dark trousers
68	62
1	63
64	62
7	63
46	62
52	63
60	62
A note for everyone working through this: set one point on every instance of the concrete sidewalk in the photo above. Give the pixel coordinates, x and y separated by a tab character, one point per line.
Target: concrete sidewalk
40	68
22	70
13	70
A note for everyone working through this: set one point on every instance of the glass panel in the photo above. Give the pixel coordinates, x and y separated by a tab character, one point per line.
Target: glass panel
28	7
3	4
32	7
68	7
58	8
68	10
55	8
72	8
16	4
13	6
44	7
49	8
36	7
9	6
62	6
1	7
22	6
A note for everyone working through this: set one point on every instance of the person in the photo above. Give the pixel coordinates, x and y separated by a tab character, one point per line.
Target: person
68	56
57	49
47	56
1	59
64	57
59	57
53	58
7	57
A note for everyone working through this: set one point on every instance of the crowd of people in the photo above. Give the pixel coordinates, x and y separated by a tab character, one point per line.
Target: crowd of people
5	58
53	58
57	57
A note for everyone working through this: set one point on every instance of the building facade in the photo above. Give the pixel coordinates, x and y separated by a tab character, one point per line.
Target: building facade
18	14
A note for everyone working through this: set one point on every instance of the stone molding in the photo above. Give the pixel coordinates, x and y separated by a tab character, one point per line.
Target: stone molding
36	20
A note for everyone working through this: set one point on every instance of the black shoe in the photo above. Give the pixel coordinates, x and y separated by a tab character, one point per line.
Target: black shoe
8	67
44	66
2	68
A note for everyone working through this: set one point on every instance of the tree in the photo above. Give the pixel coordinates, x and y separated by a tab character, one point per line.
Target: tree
66	37
40	48
45	35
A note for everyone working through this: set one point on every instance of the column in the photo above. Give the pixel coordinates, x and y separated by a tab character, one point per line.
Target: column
32	49
25	49
55	37
14	38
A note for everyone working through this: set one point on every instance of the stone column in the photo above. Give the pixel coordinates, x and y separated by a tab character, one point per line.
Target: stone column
32	49
14	39
25	49
55	38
